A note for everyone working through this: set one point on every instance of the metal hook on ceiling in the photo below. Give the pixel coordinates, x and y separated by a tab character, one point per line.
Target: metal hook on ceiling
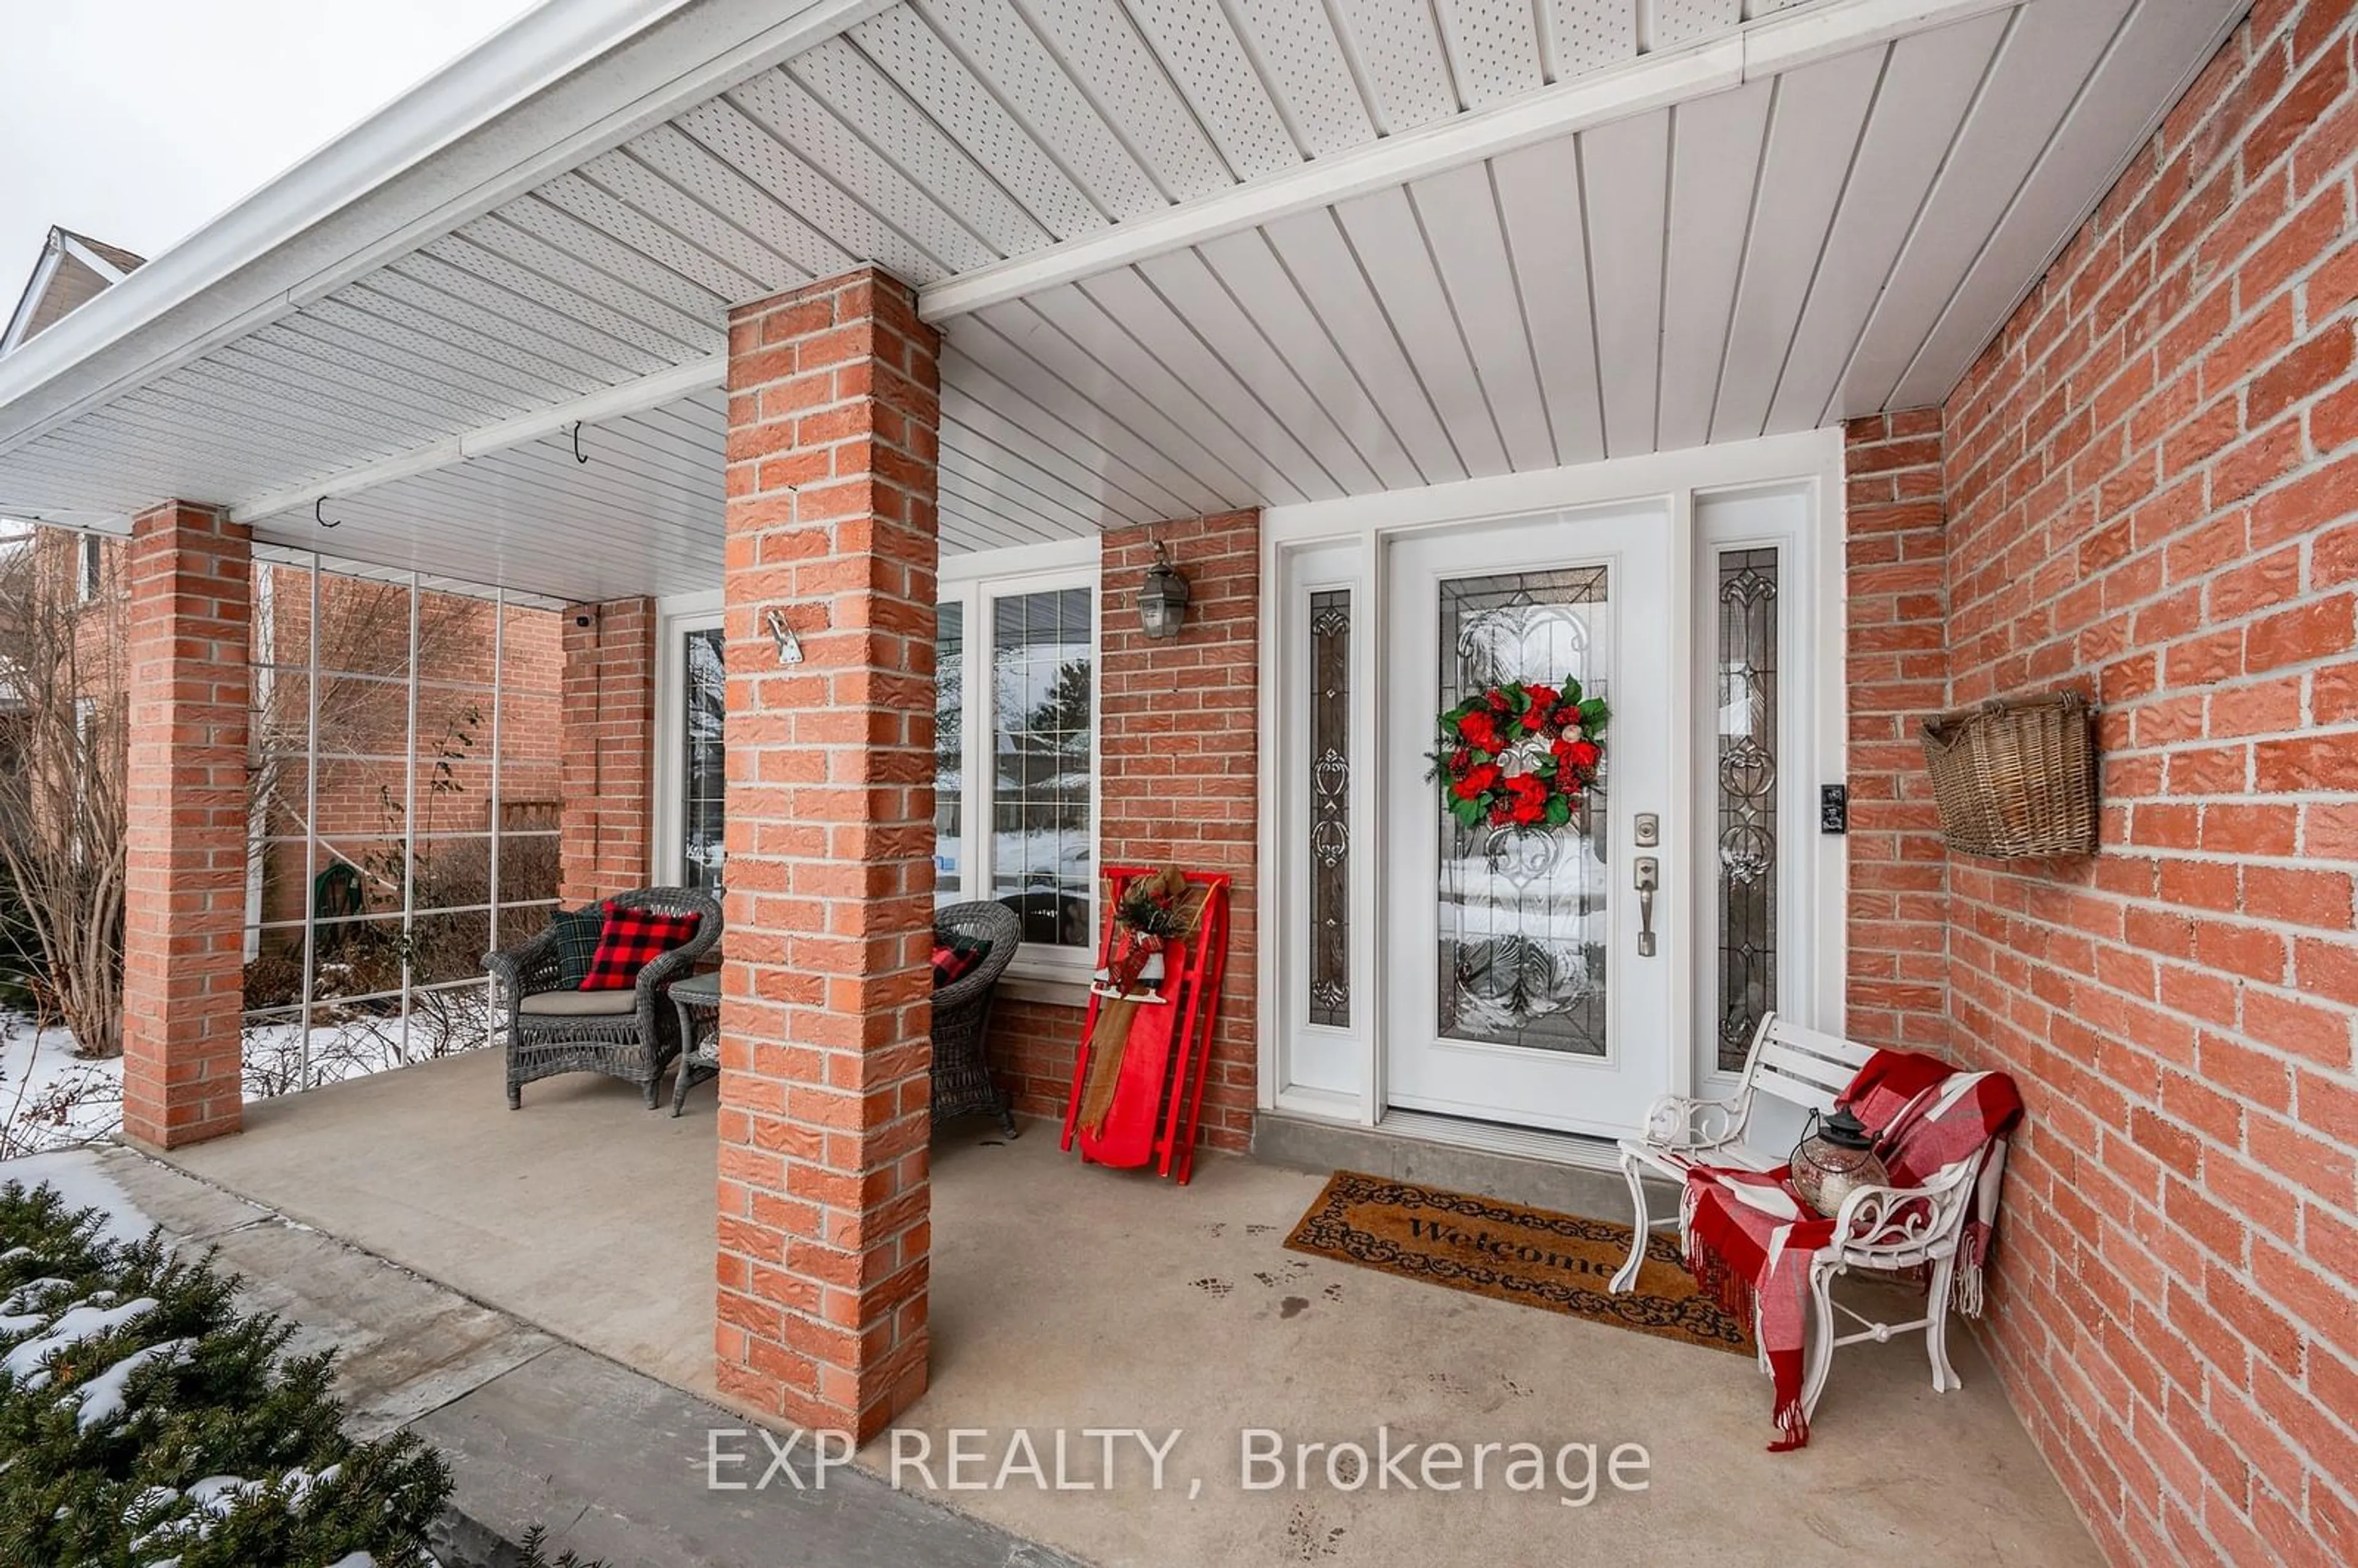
319	516
579	455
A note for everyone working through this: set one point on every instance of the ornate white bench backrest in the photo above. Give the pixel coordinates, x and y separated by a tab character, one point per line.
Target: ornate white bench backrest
1801	1065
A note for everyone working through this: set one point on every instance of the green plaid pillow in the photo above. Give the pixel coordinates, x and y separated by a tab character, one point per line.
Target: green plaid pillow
578	930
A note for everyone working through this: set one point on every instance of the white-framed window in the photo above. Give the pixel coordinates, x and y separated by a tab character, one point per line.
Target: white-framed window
1015	783
90	564
691	725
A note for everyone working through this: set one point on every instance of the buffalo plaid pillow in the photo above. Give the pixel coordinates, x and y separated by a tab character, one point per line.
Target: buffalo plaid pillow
578	930
633	939
955	956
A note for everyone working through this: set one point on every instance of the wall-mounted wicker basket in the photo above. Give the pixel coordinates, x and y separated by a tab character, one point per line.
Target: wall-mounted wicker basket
2017	777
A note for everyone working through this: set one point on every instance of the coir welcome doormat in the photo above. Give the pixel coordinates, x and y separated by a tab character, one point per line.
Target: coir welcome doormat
1558	1262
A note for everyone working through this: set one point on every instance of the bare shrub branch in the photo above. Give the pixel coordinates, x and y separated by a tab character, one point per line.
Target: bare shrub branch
62	798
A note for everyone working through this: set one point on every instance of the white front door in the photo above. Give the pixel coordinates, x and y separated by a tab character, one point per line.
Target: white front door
1526	979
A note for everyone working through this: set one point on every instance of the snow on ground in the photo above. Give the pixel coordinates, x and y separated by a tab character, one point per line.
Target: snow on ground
51	1098
81	1183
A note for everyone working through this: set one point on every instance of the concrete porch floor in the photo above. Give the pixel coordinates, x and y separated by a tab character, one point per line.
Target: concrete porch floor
1068	1297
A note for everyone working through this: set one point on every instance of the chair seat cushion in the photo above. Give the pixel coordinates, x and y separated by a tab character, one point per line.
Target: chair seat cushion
632	939
580	1004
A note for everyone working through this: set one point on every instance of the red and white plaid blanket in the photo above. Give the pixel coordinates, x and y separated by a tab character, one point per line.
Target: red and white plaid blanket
1749	1239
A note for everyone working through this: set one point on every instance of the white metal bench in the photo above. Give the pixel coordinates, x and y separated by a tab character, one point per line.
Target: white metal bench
1889	1229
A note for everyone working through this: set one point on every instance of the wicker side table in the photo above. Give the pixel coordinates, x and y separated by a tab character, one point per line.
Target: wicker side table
699	1049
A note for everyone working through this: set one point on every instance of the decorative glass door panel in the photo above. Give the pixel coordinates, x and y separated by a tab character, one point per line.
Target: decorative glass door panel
1745	722
1524	909
1330	808
1516	986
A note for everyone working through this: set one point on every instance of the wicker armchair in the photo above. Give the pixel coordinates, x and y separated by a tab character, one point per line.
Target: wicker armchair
962	1014
626	1035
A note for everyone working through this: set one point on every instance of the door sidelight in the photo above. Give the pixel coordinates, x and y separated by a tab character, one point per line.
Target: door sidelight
1648	877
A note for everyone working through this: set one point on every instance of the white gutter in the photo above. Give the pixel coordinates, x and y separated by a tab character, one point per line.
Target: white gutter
1782	42
564	83
52	251
608	403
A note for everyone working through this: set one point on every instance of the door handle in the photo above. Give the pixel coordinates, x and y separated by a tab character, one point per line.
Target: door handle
1649	877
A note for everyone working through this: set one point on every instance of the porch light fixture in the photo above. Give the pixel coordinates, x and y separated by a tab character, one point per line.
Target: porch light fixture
1162	600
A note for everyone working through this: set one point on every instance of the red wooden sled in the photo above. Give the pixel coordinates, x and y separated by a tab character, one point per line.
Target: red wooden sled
1158	1101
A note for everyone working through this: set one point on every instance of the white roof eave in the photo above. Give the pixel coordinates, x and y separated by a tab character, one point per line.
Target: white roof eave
559	85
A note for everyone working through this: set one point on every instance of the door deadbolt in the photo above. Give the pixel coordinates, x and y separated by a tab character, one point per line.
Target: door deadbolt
1648	830
1648	875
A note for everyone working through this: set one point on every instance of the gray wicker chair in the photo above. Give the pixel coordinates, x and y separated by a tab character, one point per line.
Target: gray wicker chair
630	1035
962	1014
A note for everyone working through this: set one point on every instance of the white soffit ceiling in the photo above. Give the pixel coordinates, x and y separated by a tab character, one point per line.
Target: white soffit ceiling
639	517
1838	238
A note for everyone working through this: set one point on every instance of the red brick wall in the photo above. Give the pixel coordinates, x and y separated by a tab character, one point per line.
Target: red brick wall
609	738
2150	484
1032	1049
1897	671
1176	730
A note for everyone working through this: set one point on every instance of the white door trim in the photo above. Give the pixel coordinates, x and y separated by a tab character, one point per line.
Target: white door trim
1809	461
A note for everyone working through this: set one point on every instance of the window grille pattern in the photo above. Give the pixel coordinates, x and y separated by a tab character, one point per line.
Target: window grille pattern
1524	911
404	772
1042	763
1748	869
1330	808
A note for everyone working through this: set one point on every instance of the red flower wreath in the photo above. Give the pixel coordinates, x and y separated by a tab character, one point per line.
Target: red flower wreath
1520	755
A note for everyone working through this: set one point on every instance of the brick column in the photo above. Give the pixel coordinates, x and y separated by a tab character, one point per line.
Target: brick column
609	725
189	576
833	410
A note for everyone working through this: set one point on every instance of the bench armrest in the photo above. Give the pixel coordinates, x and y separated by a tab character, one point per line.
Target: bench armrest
1676	1121
1899	1226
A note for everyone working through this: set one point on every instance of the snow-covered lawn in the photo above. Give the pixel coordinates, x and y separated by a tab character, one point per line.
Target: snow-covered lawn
51	1098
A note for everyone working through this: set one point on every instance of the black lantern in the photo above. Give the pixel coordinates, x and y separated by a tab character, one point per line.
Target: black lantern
1834	1158
1162	600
